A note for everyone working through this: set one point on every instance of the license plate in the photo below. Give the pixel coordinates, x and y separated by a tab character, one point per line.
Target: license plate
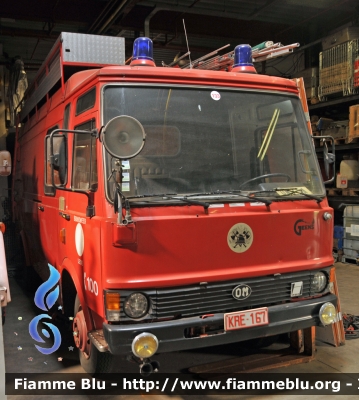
246	319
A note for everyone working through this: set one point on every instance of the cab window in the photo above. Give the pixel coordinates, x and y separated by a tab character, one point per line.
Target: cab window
66	116
86	101
84	171
49	189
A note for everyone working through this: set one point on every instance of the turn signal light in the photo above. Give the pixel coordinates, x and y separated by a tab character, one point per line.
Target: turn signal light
112	300
2	227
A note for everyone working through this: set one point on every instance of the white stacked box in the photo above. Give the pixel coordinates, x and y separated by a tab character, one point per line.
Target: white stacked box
351	232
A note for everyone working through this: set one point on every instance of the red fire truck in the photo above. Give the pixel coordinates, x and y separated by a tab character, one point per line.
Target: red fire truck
183	207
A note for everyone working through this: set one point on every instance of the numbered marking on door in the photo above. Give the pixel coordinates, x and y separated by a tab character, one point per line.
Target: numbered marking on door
90	285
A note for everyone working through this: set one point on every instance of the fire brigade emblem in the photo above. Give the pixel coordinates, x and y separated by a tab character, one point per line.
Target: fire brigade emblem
240	238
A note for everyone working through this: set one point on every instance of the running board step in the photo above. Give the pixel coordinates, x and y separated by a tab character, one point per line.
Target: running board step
98	340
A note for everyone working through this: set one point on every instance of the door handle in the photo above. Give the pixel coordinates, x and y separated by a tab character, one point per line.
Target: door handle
41	208
65	216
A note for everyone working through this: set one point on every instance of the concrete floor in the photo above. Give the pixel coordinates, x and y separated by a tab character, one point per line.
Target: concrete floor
21	355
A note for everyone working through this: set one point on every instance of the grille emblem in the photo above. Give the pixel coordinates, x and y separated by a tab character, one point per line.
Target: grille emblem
296	289
241	292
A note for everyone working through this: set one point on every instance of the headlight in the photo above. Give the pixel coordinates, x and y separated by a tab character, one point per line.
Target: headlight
319	282
144	345
327	314
136	305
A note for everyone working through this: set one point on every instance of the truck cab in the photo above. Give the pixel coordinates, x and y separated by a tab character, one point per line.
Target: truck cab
183	208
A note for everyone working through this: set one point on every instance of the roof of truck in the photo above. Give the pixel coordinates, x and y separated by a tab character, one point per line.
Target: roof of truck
144	74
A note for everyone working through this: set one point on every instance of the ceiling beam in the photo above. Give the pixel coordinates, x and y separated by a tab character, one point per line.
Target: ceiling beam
100	18
186	10
112	11
30	33
259	10
314	15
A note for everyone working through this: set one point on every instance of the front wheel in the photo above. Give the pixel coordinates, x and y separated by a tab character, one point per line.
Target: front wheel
92	360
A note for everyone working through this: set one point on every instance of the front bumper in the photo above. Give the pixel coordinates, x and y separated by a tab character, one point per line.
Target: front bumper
283	318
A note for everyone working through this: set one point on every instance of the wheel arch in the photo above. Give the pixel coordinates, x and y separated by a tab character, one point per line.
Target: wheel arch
68	293
70	286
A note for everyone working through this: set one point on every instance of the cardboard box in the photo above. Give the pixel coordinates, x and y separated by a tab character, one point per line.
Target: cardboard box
353	123
337	129
341	36
311	81
324	123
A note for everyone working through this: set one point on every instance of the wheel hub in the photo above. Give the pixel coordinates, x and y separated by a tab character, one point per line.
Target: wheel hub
80	333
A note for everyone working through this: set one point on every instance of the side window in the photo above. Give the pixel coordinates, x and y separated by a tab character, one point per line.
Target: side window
84	171
49	189
86	101
66	117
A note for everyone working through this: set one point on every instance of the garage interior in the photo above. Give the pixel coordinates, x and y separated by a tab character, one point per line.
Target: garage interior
29	29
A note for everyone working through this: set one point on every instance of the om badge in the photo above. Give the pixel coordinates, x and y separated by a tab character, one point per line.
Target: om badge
240	238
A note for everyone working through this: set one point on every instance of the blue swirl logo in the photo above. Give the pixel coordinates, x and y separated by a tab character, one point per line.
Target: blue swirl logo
45	297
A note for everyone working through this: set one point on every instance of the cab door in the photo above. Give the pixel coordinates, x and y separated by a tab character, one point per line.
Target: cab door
81	236
83	233
54	200
47	209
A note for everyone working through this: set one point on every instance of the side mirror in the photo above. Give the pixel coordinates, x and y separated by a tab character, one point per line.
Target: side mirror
328	156
58	158
124	137
5	163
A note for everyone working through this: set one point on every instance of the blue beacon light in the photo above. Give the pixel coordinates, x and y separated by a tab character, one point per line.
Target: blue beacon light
143	52
243	59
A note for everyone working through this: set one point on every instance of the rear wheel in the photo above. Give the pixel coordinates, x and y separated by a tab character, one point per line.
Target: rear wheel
92	360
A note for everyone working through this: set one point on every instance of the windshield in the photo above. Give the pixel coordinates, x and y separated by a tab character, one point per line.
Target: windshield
200	140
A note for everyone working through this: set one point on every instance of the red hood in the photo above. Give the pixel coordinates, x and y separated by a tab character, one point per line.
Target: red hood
182	245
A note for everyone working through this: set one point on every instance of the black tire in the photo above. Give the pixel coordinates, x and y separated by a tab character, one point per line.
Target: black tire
97	362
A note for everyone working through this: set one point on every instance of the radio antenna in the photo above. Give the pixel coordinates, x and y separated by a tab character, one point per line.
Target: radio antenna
189	53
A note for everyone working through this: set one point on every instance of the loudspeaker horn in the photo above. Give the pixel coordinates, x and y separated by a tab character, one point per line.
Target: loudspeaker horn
124	137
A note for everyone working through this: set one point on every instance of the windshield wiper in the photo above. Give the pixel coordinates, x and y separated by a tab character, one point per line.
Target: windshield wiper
140	196
188	199
205	205
301	192
236	193
169	196
291	192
